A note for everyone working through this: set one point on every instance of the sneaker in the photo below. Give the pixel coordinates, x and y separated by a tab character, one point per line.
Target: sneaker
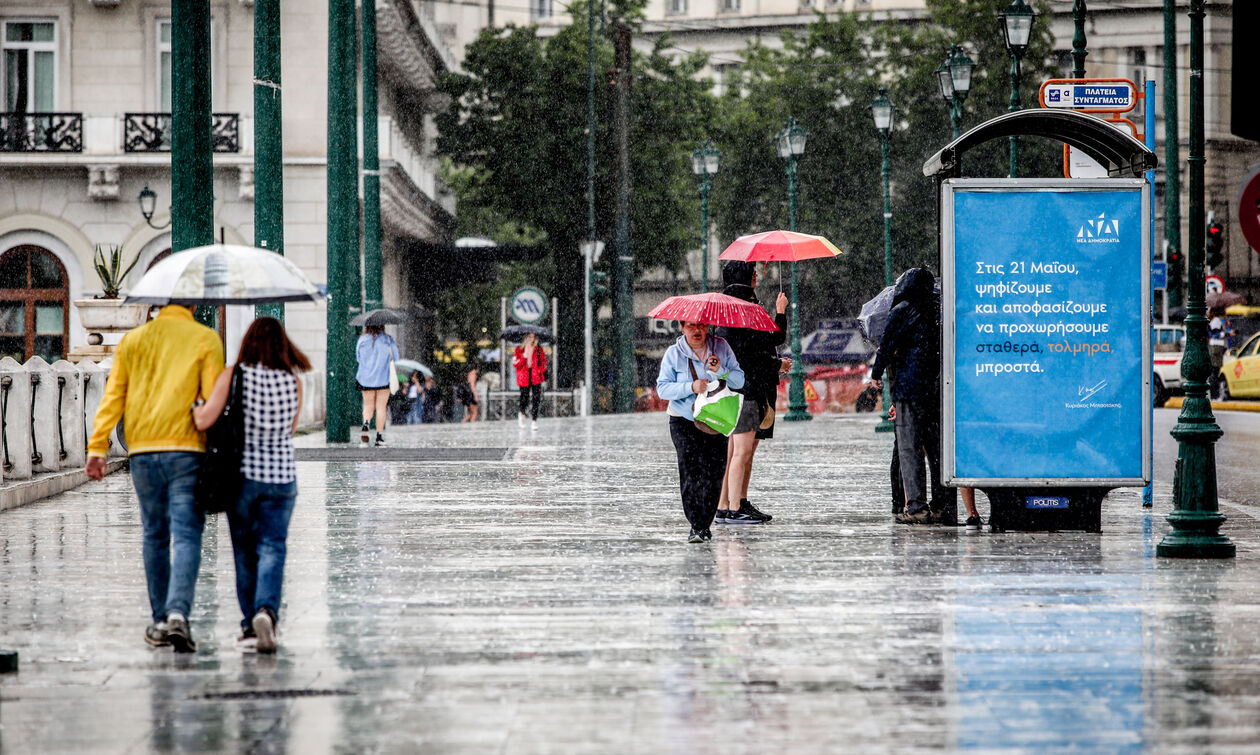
746	508
722	516
265	628
155	634
706	535
533	426
744	517
974	523
520	421
380	439
248	641
695	537
179	634
922	516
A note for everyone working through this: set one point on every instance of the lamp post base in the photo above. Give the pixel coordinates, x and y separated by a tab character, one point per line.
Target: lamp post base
797	415
1195	518
885	425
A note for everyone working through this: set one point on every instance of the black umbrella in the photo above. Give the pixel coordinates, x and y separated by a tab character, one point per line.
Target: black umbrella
517	332
378	317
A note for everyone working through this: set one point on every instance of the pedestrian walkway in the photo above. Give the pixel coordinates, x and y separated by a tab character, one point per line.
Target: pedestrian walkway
491	590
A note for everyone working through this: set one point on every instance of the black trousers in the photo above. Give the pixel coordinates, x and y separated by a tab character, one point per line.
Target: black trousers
701	466
528	393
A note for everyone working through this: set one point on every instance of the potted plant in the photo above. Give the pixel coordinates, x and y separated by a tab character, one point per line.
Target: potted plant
106	311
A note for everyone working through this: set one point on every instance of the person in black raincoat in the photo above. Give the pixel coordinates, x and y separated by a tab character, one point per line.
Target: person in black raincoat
757	352
911	351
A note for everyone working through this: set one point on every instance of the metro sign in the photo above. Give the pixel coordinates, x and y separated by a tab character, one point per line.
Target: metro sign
1090	95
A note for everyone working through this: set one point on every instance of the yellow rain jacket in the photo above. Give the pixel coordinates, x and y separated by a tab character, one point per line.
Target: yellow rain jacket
160	369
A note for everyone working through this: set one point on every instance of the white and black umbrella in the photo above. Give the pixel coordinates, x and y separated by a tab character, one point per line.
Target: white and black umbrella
223	274
517	333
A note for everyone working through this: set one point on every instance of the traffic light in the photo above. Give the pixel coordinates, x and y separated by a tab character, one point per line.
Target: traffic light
1214	244
599	285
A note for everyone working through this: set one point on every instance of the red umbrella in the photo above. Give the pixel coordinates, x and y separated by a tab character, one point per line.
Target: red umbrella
714	309
779	246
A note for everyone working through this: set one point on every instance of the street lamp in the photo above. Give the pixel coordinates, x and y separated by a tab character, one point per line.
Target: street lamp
148	202
954	79
704	163
882	111
791	145
1017	20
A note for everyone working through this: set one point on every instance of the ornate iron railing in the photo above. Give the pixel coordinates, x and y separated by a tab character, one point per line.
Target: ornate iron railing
41	132
151	132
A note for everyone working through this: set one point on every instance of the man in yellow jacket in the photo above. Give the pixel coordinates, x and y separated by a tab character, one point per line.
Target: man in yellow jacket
160	370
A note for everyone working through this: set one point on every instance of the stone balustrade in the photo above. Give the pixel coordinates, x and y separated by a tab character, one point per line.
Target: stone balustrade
48	412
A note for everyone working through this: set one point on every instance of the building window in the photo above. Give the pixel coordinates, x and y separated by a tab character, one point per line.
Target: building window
540	10
676	7
1137	59
30	66
34	305
729	6
164	65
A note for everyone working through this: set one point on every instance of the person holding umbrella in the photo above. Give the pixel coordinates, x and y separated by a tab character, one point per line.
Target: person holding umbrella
531	372
757	352
375	351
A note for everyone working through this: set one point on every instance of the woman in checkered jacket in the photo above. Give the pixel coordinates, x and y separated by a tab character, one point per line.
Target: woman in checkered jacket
272	398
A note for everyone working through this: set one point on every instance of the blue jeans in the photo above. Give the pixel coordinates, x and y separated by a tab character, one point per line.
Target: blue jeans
164	483
260	525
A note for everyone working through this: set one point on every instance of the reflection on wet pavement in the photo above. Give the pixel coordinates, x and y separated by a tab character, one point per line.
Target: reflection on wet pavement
545	601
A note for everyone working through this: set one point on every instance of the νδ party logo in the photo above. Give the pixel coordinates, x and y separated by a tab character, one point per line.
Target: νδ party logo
1099	230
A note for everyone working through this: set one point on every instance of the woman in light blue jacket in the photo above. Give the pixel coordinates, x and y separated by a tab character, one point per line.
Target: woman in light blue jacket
685	369
375	350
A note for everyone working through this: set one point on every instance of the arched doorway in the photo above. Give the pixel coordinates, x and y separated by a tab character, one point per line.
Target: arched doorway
34	304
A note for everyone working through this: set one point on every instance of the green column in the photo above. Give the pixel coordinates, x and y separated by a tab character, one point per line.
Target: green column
625	378
1078	39
268	150
192	170
371	166
885	424
1196	519
343	220
1012	107
798	409
1172	155
704	233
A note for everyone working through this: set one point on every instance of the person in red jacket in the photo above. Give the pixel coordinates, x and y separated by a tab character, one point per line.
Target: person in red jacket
531	372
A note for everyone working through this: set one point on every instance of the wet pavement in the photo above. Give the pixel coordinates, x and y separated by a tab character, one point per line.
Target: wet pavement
488	590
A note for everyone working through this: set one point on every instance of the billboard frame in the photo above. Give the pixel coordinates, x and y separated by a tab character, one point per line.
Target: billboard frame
948	188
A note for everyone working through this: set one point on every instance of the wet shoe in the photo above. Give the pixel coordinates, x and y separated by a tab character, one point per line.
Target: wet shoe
365	435
974	523
747	509
265	628
179	634
155	635
744	517
706	535
520	421
248	641
721	516
922	516
380	440
533	426
695	537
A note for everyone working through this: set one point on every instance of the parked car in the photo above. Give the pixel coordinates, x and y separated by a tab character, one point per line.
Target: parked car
1240	374
1167	344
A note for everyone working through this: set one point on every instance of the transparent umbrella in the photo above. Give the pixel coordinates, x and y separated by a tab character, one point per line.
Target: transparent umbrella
223	274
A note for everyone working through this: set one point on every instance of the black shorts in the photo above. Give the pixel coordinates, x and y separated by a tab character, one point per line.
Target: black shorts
362	387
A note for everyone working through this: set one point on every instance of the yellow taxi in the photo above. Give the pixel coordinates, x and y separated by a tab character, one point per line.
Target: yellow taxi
1240	372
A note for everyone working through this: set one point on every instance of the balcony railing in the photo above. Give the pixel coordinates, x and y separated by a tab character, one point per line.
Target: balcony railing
41	132
151	132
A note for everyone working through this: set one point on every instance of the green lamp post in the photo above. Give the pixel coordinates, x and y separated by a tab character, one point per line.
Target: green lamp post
791	145
882	111
1017	20
954	79
1196	517
704	163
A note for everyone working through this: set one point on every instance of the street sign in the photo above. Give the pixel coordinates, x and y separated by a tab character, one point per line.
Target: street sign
1159	275
1249	209
1214	284
1090	95
528	305
1045	294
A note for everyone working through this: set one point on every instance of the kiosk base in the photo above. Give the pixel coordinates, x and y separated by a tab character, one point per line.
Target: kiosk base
1044	509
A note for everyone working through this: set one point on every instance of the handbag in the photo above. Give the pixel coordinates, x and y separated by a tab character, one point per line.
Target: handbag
220	479
394	385
716	411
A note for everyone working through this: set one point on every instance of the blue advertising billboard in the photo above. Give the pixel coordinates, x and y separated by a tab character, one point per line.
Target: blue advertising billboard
1045	296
